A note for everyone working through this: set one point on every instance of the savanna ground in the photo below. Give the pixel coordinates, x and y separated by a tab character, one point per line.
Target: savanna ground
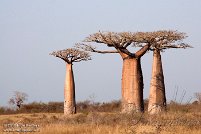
96	118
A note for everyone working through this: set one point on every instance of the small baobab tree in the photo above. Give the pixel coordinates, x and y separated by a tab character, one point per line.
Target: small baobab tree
18	99
69	56
198	97
132	79
163	40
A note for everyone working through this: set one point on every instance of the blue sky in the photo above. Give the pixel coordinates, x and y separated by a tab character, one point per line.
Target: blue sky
31	29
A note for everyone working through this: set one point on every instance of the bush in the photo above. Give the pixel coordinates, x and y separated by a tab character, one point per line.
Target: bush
87	106
198	97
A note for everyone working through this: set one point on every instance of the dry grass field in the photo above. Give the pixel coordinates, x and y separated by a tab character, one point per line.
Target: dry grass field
183	122
99	118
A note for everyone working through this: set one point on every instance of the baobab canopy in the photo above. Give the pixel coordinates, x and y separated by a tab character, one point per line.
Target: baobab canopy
161	40
165	39
119	40
72	55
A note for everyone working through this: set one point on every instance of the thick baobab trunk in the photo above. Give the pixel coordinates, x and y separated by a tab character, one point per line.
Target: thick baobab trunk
69	91
157	99
132	86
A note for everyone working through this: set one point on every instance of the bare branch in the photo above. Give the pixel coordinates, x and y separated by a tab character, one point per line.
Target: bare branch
87	47
125	51
182	45
127	44
142	51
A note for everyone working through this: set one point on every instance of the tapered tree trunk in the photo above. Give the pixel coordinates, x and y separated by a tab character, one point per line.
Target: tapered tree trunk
157	99
132	86
69	91
132	82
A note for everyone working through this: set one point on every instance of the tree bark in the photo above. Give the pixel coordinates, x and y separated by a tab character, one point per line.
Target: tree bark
132	81
157	99
69	91
132	86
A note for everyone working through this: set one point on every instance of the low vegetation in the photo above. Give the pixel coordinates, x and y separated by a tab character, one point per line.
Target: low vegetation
99	118
57	107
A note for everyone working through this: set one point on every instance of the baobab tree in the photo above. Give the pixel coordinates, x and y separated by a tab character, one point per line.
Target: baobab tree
132	78
69	56
163	40
18	99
